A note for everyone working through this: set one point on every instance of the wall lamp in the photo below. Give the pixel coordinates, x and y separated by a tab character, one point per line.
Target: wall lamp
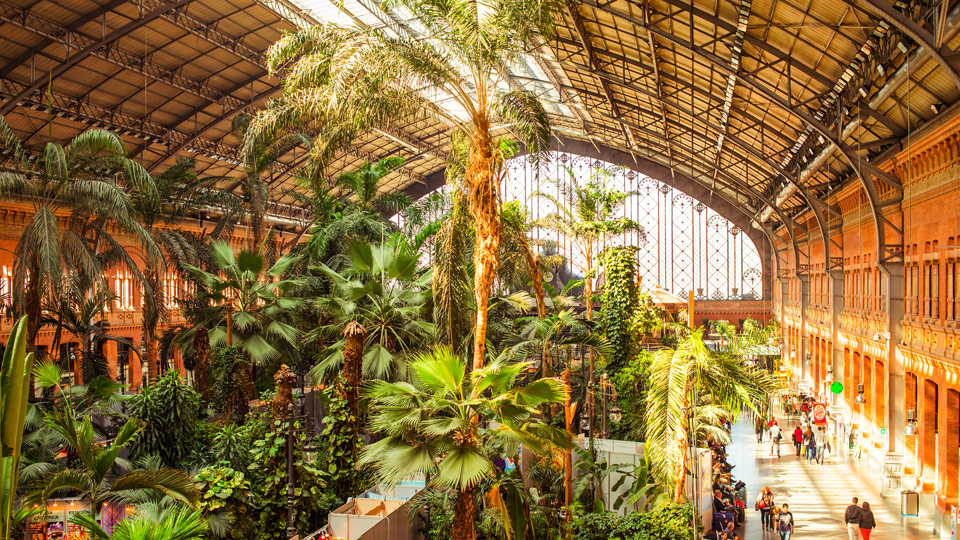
860	398
911	429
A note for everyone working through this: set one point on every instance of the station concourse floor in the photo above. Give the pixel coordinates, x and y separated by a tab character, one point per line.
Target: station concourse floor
817	494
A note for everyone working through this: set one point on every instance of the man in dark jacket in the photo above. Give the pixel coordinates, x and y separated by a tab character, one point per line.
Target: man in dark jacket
852	518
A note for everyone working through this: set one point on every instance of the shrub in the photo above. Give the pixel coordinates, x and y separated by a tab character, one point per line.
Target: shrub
595	526
228	369
668	522
169	410
224	494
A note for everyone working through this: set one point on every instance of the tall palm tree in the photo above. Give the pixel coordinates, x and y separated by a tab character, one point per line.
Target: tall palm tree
343	81
82	183
586	214
689	388
374	318
431	427
179	193
520	255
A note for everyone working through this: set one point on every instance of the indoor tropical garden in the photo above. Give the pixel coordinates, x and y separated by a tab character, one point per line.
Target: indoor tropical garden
497	357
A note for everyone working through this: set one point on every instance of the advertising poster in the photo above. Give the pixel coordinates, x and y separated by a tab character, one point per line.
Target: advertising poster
819	413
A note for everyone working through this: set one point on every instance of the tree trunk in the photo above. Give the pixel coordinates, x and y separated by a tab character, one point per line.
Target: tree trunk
569	412
32	311
485	209
201	349
465	513
681	478
150	310
588	294
533	261
352	369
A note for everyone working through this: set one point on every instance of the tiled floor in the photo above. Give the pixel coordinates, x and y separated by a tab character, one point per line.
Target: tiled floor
817	494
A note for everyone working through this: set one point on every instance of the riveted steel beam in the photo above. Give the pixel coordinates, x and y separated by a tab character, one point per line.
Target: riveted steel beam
56	33
92	48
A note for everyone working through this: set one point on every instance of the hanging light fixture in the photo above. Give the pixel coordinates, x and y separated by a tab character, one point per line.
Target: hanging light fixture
860	398
911	429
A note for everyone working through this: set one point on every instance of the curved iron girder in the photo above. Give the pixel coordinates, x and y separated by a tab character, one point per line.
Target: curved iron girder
90	49
885	251
213	123
911	29
812	201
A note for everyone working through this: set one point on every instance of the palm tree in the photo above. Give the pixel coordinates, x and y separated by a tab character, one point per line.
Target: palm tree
432	426
517	247
174	523
585	213
690	387
374	317
363	213
539	336
78	182
100	475
179	193
384	291
344	81
248	300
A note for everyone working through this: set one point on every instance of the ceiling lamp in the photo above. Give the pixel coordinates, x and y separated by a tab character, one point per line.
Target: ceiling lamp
911	429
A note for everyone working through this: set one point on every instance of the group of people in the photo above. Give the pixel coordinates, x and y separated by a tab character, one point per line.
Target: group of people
729	497
772	517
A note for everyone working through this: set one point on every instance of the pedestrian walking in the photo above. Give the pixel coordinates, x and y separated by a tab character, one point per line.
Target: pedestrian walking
821	439
765	506
785	522
798	439
759	428
867	521
852	517
811	442
775	438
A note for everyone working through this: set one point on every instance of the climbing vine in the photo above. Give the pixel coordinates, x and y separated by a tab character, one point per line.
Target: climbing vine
618	302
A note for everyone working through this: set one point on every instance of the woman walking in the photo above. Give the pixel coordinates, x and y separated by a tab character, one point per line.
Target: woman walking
798	439
867	521
785	522
765	506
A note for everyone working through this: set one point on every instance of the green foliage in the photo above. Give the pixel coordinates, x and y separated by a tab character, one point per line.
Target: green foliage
647	315
92	473
259	304
174	523
227	376
595	526
268	476
224	492
14	384
631	385
345	479
168	411
670	521
232	443
618	305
